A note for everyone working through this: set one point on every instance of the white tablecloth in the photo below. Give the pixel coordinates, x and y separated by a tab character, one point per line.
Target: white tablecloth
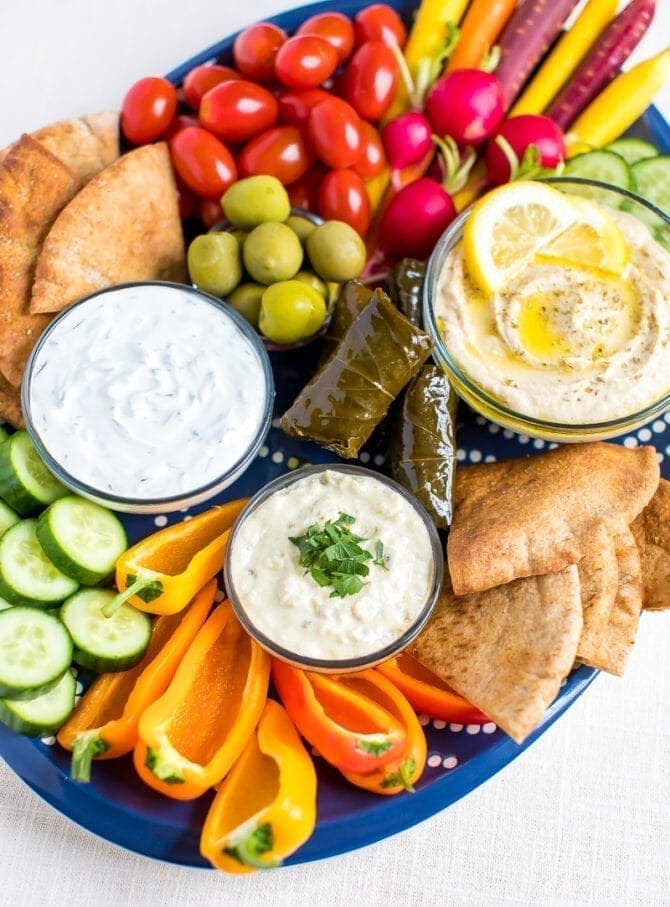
583	817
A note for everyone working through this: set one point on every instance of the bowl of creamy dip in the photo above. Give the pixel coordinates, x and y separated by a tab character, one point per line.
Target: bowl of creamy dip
333	568
148	397
561	353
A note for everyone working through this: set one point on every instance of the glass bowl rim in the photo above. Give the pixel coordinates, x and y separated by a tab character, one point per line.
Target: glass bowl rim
332	665
203	491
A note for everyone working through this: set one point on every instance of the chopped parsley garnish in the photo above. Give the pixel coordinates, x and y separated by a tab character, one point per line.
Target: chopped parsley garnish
333	555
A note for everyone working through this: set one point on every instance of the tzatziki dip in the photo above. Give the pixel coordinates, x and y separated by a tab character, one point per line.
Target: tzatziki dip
333	566
147	392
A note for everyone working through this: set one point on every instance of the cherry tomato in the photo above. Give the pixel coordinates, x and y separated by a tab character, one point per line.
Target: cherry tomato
296	106
201	78
334	129
343	196
236	111
373	159
210	212
147	109
371	80
380	22
304	193
305	61
336	28
255	50
181	121
282	152
188	203
203	162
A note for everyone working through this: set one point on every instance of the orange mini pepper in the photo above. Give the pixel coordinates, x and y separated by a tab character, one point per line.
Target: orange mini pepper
266	807
406	770
104	723
190	737
348	729
427	693
162	573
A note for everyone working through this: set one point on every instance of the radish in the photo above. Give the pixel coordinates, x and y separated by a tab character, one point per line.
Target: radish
466	104
415	219
407	139
524	146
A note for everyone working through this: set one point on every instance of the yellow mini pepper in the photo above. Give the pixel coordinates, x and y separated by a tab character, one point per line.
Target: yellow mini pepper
266	807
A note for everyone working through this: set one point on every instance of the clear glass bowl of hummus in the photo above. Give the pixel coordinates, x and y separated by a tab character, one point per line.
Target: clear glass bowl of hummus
616	378
148	397
305	622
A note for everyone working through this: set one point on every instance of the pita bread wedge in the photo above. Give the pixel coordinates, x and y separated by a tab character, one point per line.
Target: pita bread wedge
10	404
124	225
652	534
537	515
86	145
506	650
599	583
34	187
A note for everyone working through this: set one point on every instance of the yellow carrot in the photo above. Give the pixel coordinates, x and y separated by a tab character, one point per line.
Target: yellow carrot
620	104
564	59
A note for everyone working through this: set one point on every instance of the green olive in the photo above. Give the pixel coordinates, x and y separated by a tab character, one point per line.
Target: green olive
333	291
300	226
311	278
214	263
336	251
256	200
272	252
240	236
246	299
290	311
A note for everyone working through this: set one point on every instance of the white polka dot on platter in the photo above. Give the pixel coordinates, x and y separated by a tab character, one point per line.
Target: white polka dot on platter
79	687
659	456
489	727
644	434
160	520
489	458
277	457
508	433
630	442
220	595
264	451
364	457
667	417
276	422
293	462
553	445
475	456
439	724
450	762
456	728
658	426
523	439
423	719
472	729
538	443
187	517
480	420
667	450
48	741
460	455
493	428
380	459
434	760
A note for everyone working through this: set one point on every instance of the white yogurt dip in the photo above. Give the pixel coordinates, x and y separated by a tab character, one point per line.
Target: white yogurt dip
286	604
147	392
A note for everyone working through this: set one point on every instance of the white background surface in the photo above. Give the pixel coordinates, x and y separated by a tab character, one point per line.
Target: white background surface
583	817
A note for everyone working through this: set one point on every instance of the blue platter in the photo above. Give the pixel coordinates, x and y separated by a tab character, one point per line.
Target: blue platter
118	807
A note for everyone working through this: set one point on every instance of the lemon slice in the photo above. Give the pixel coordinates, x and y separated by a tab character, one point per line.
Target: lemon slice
529	221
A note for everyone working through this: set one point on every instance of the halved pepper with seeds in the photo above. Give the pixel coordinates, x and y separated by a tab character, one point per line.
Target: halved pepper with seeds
104	723
348	728
191	736
162	573
266	807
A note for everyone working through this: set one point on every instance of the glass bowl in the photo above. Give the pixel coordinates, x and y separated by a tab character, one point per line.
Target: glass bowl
180	501
342	665
484	402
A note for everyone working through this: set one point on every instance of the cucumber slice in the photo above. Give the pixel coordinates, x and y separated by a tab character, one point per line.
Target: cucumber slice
102	643
632	150
604	166
27	576
43	715
35	652
653	181
25	482
83	539
4	605
4	434
8	517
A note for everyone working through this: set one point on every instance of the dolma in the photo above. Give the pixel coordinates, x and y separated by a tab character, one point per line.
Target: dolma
405	287
350	302
351	393
422	450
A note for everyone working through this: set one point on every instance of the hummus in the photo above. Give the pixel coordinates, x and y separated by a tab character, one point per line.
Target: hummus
563	344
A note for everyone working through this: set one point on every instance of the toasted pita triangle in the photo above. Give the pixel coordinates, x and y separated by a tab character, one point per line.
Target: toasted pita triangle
124	225
10	404
507	649
537	515
599	582
652	534
86	145
34	187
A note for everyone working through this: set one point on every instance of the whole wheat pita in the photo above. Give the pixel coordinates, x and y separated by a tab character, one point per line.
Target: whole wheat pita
598	582
651	531
537	515
122	226
507	649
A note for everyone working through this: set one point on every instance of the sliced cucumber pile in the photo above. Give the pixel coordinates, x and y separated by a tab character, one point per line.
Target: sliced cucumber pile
8	517
81	538
603	166
44	714
632	150
35	652
27	576
25	482
652	177
102	643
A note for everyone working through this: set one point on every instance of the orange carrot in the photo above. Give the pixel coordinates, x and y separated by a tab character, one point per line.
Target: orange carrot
484	21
